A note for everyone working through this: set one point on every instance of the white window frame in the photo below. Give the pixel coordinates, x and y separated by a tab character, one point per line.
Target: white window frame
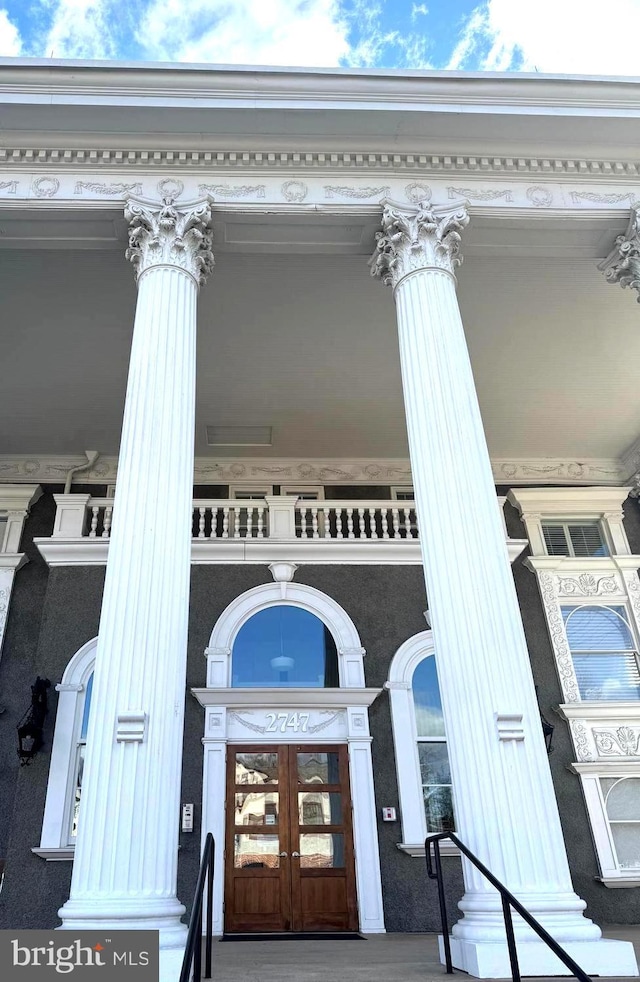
590	774
405	742
566	524
55	842
299	490
402	489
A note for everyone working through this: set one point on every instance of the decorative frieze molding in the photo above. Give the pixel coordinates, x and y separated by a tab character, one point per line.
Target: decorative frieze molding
167	235
587	585
415	238
52	469
622	265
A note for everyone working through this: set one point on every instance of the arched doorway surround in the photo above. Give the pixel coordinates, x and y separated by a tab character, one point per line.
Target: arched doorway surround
292	715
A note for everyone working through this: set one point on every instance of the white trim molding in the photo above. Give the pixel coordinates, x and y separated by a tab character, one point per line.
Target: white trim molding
603	504
339	715
591	774
15	503
405	742
55	842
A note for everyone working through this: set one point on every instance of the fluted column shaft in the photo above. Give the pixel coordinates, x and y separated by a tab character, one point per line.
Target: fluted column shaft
125	864
504	799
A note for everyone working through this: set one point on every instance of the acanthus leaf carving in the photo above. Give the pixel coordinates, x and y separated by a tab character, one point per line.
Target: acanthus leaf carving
624	742
587	585
581	740
167	235
415	238
558	639
622	265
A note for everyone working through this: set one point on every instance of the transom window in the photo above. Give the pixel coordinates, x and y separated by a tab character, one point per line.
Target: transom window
432	748
284	646
580	539
604	652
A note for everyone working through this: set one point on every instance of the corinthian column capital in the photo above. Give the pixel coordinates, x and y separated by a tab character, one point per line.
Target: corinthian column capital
415	238
170	235
622	265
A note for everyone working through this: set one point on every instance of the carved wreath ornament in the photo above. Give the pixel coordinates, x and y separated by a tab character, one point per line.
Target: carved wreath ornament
166	235
417	238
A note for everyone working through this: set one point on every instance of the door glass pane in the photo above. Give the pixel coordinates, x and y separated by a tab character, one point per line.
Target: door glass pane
320	808
319	768
256	852
256	808
257	768
324	851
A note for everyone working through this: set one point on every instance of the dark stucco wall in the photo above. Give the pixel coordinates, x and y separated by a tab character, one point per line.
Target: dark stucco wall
55	612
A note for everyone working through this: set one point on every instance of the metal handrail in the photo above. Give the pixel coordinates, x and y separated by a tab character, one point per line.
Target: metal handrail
193	950
508	901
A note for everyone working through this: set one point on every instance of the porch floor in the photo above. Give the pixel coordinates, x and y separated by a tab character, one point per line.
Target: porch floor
380	958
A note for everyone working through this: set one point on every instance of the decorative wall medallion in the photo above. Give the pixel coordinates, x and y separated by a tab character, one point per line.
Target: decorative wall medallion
581	740
45	187
233	191
170	187
473	194
587	585
540	197
417	192
360	193
10	186
624	742
604	199
294	190
559	642
119	190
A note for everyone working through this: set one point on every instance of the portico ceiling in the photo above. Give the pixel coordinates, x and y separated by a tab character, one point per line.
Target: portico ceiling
294	334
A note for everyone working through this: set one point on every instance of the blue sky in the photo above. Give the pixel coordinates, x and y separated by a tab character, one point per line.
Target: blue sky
566	36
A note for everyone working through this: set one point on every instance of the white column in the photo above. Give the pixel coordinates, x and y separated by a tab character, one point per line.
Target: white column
504	799
124	872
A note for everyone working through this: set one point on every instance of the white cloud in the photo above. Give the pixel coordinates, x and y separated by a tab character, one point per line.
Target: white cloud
10	41
558	36
81	29
265	32
417	9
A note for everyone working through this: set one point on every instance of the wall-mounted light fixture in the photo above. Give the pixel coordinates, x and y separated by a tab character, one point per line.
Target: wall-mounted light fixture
31	725
547	727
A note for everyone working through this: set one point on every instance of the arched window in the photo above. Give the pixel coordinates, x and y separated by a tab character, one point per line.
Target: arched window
282	647
422	762
622	807
604	653
60	821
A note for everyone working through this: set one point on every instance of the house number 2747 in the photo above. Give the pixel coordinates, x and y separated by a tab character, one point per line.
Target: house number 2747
281	722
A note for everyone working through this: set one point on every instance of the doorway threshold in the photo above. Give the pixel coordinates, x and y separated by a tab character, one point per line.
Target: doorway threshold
296	936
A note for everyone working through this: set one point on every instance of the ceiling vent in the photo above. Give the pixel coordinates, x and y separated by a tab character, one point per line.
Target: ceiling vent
239	436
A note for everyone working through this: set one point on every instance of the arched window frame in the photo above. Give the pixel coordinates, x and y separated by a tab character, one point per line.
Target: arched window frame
345	635
405	742
55	842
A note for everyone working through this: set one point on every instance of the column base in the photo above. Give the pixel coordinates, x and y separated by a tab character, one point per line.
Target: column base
490	959
123	914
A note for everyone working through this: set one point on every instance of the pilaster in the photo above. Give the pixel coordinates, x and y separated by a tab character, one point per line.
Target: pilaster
505	804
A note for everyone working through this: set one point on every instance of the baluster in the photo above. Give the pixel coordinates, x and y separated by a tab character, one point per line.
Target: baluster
106	526
201	512
373	533
314	523
407	522
260	532
249	532
326	512
339	534
416	528
303	521
363	533
237	512
225	522
350	533
94	521
396	523
385	527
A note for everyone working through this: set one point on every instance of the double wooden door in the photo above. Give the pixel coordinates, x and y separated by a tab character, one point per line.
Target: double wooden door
289	863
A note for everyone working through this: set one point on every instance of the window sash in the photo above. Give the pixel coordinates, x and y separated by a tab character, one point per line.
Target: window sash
582	540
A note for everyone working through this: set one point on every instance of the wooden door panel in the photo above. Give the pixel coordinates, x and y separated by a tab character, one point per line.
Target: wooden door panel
289	861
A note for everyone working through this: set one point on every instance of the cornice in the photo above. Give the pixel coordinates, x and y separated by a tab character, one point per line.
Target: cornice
45	153
77	82
52	469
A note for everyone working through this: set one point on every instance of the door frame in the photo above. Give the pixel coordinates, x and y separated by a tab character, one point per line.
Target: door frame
327	716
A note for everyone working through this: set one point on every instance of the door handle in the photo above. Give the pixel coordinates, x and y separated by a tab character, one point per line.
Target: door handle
284	855
295	855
